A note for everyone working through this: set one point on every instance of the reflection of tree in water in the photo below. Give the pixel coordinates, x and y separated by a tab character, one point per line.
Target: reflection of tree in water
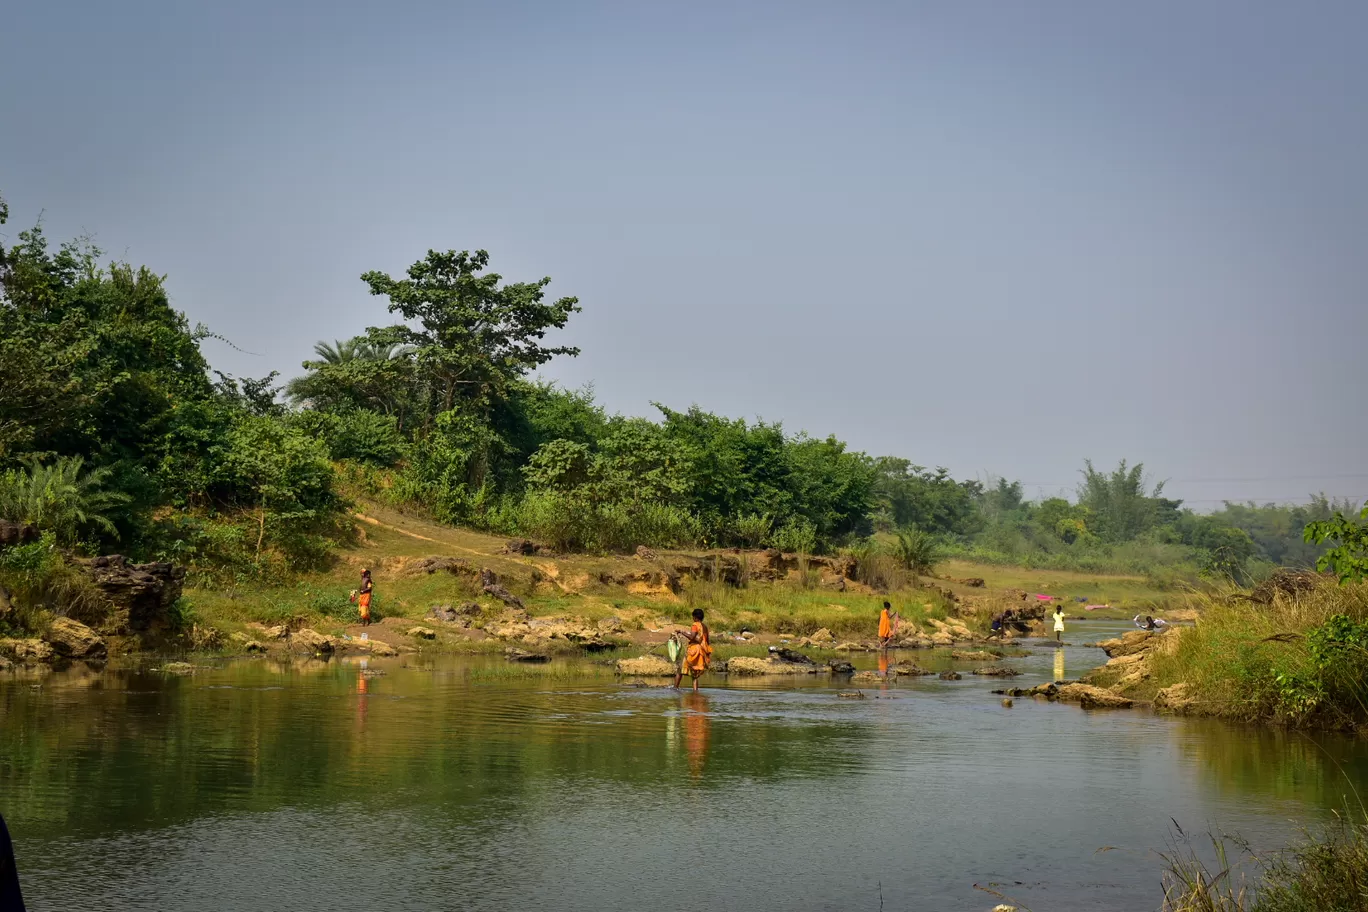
148	751
1322	769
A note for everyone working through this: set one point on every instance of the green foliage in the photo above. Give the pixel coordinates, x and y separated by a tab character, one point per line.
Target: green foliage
753	529
1122	505
360	435
62	498
40	581
911	495
917	551
1349	558
475	334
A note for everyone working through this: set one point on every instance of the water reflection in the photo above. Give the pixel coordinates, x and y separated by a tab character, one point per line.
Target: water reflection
452	769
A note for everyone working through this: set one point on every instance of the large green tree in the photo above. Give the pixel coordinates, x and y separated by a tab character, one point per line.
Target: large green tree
471	333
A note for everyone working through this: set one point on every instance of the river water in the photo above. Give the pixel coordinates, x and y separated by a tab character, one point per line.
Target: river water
458	783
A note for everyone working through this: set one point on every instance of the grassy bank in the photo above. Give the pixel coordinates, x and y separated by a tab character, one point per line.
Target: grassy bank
1323	872
1289	657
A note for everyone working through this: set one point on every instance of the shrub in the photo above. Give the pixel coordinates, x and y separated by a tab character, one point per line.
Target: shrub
61	498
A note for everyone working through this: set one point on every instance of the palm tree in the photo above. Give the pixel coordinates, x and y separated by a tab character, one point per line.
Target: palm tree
61	498
917	551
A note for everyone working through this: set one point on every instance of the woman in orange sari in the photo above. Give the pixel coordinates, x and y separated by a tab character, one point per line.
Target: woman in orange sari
363	597
885	626
699	653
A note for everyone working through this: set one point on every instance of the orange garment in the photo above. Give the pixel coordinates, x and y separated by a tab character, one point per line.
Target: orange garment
885	625
363	601
699	654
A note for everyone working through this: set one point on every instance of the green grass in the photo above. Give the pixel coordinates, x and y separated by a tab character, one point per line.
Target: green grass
1326	871
1259	662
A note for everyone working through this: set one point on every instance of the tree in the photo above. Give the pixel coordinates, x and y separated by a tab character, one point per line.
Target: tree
1349	558
475	334
63	498
1121	503
917	551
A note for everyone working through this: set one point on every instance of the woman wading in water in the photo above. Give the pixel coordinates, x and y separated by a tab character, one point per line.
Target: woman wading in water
699	653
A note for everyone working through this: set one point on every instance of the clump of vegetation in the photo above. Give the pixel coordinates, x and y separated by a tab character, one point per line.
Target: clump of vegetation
1323	871
1300	659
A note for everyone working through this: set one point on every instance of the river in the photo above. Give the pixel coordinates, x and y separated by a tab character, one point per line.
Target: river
467	783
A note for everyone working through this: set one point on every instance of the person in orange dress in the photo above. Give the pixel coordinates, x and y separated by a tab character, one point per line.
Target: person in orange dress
362	597
885	626
699	653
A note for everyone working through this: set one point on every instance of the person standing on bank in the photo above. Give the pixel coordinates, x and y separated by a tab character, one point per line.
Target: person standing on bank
362	597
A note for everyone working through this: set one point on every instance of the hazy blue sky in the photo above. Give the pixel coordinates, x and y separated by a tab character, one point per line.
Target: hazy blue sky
999	237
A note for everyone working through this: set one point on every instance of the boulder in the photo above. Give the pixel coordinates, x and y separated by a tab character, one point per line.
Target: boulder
461	614
379	648
422	633
438	564
1179	698
950	675
850	695
489	583
74	640
523	655
746	665
611	625
1130	643
141	594
792	655
866	677
254	646
942	638
645	553
908	669
979	656
823	637
313	641
647	666
851	647
996	671
1090	697
522	546
841	668
26	652
916	641
16	533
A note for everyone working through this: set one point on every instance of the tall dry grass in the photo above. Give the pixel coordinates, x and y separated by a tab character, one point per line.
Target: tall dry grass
1256	662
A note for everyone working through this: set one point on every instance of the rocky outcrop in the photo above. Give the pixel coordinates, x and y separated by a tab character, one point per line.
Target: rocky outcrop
950	675
840	668
1090	697
312	641
26	652
141	594
996	671
1179	698
748	665
16	533
489	584
1130	643
440	564
422	633
908	669
822	639
461	614
647	666
523	546
74	640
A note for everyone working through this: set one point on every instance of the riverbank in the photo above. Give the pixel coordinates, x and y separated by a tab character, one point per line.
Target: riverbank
440	588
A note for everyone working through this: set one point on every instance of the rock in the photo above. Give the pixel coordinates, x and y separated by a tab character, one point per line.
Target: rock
460	615
611	625
942	638
1285	583
973	582
177	668
908	669
313	641
439	564
522	546
489	583
1123	661
996	671
645	553
254	646
422	633
841	668
142	594
16	533
973	656
1090	697
746	665
74	640
866	677
822	636
950	675
915	642
378	648
1003	907
522	655
1132	679
1176	699
851	647
647	666
26	652
1007	702
1129	643
719	666
850	695
792	655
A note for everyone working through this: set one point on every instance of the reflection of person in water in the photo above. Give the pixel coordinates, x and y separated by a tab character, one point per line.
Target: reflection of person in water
696	731
10	897
1059	665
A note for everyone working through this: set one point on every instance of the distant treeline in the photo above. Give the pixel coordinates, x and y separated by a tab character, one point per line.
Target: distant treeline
115	432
